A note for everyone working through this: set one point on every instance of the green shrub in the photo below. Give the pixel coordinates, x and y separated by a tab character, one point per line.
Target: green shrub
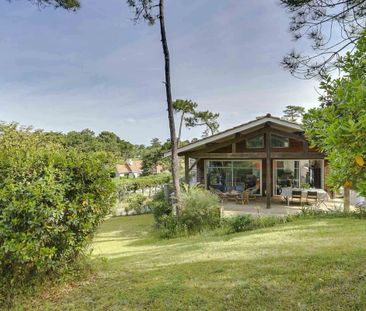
248	222
160	207
51	202
125	185
239	223
136	202
200	209
169	227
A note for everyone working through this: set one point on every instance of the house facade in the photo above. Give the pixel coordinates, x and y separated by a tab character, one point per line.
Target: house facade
267	153
133	168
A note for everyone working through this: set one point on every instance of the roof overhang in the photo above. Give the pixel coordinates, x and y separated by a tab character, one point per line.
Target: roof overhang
245	128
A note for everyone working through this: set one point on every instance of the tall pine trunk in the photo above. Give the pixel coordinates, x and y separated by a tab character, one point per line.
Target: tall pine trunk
168	90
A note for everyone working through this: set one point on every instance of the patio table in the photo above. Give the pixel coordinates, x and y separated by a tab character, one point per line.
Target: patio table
322	195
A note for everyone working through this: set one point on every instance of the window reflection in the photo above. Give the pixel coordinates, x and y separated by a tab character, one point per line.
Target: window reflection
234	175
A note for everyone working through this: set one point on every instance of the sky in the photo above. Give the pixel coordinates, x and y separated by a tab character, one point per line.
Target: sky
97	69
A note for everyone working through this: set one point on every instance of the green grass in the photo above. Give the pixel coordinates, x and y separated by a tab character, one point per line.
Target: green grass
303	265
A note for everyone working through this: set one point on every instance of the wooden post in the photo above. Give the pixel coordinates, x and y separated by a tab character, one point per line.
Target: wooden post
186	169
346	199
268	168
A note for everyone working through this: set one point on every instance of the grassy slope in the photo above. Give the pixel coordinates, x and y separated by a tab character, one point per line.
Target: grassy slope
307	265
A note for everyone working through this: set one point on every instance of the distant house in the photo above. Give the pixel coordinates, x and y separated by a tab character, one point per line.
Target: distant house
133	168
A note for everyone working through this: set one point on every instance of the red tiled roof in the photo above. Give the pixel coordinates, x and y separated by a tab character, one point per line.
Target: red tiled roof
131	166
134	165
122	169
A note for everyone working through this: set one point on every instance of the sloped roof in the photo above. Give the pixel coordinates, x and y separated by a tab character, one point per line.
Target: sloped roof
122	169
251	125
131	166
135	166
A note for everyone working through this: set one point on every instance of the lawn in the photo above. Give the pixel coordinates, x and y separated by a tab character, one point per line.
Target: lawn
304	265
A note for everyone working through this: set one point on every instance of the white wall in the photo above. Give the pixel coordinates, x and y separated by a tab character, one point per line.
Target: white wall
356	198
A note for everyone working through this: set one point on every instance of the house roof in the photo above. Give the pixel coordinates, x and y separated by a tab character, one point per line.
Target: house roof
122	169
248	127
135	166
131	166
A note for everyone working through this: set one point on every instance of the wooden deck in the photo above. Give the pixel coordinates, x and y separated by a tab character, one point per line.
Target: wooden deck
258	207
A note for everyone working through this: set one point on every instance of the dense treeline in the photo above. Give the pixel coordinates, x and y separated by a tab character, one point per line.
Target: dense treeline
87	141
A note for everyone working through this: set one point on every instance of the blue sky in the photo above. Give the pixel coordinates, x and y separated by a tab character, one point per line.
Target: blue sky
95	69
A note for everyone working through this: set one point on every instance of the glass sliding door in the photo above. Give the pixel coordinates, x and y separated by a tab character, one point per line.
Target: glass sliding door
234	175
297	174
219	175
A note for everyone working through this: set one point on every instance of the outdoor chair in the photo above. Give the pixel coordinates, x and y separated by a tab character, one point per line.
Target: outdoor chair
243	197
296	194
312	196
252	191
219	193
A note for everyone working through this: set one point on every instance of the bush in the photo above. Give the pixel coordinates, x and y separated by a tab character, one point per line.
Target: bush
51	202
140	183
160	207
169	227
248	222
200	210
136	202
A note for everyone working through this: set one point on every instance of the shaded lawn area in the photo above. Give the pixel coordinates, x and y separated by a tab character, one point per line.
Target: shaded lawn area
304	265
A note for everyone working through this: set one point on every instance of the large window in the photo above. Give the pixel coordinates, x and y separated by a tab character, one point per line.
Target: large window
279	141
234	175
255	142
297	174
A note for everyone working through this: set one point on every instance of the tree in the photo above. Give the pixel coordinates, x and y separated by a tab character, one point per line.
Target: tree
333	26
153	156
184	107
84	141
112	143
191	117
204	118
293	113
338	126
71	5
150	11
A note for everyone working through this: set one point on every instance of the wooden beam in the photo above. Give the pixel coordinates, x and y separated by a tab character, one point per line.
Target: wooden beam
290	135
255	133
193	165
186	167
246	155
214	146
297	155
268	168
233	148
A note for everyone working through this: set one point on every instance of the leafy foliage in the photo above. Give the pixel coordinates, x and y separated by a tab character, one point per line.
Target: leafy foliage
72	5
333	26
160	207
338	127
248	222
52	201
136	202
140	183
153	157
87	141
200	211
